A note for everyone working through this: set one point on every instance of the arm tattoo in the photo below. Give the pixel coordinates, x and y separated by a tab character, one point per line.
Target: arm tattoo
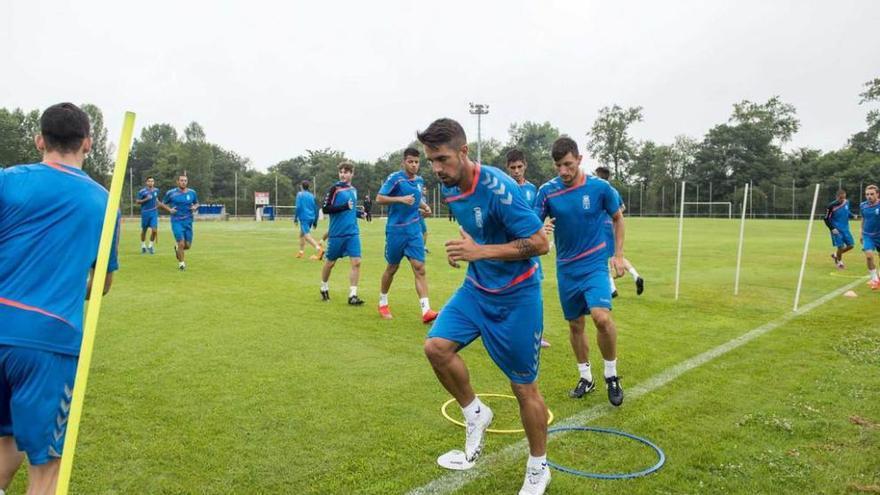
525	247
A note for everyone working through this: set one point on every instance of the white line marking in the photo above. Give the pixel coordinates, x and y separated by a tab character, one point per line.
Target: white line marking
453	481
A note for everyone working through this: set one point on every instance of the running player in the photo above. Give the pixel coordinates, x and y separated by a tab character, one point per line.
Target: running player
870	212
148	198
181	203
837	217
307	217
343	235
402	191
51	217
516	167
500	299
605	174
577	205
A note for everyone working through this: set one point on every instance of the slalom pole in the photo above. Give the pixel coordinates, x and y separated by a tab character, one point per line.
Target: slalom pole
739	250
797	293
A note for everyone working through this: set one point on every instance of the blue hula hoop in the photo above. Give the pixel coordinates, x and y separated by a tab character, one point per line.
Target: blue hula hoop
614	476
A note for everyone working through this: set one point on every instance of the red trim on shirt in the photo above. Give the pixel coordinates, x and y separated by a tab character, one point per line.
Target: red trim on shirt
25	307
61	168
473	186
584	254
519	279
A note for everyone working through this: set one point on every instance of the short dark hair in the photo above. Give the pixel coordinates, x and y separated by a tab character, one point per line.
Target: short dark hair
563	146
305	185
841	191
64	126
603	173
345	165
515	155
411	152
148	177
443	132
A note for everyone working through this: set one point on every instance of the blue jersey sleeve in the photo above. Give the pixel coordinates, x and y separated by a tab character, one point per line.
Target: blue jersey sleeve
389	185
610	200
167	196
195	197
518	218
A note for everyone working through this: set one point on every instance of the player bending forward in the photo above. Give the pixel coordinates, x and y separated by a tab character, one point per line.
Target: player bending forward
500	299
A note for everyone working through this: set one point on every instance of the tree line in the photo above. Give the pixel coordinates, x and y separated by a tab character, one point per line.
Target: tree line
745	148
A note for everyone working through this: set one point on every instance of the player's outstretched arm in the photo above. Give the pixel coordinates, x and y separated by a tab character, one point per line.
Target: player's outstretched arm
382	199
466	249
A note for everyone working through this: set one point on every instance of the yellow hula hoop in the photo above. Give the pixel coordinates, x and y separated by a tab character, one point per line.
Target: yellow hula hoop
490	430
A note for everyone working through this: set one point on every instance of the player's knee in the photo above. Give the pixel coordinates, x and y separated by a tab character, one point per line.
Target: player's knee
419	269
391	269
576	326
436	352
355	262
602	319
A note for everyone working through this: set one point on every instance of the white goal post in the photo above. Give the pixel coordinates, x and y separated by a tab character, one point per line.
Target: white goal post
712	203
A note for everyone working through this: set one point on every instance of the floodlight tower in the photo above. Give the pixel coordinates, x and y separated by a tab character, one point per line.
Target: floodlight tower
479	109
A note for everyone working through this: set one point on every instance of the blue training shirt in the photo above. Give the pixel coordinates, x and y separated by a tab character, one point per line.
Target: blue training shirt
871	216
403	217
150	207
494	211
343	220
837	215
51	217
530	192
580	212
306	208
183	200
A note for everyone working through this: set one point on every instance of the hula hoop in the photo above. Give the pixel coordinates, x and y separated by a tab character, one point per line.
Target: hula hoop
614	476
835	274
490	430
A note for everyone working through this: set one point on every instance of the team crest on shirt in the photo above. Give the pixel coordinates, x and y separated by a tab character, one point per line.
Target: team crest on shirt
478	217
586	202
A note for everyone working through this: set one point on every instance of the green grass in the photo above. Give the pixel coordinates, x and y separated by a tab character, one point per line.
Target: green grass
235	377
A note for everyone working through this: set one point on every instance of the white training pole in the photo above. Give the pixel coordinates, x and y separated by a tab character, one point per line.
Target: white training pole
797	293
739	251
680	230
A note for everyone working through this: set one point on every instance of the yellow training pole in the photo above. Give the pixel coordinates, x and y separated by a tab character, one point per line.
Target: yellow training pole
95	297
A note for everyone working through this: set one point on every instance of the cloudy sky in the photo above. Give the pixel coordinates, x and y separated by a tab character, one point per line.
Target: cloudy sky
270	80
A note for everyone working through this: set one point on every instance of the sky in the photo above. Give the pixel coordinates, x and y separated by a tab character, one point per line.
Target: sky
270	80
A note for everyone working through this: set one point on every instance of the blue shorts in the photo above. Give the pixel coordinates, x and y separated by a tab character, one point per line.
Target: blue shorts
305	225
150	221
183	231
870	243
579	294
340	247
511	328
843	239
404	243
35	391
423	224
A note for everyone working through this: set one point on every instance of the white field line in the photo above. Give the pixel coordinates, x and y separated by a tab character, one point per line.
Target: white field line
455	480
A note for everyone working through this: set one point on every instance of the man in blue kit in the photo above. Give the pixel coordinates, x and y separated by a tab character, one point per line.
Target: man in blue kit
51	217
307	218
343	235
577	205
516	167
837	216
181	202
500	299
403	192
148	199
870	213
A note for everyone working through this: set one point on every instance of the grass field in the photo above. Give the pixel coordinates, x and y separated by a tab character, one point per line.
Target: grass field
234	377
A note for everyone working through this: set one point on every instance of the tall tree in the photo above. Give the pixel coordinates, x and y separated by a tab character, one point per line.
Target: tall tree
609	140
99	164
773	117
535	140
